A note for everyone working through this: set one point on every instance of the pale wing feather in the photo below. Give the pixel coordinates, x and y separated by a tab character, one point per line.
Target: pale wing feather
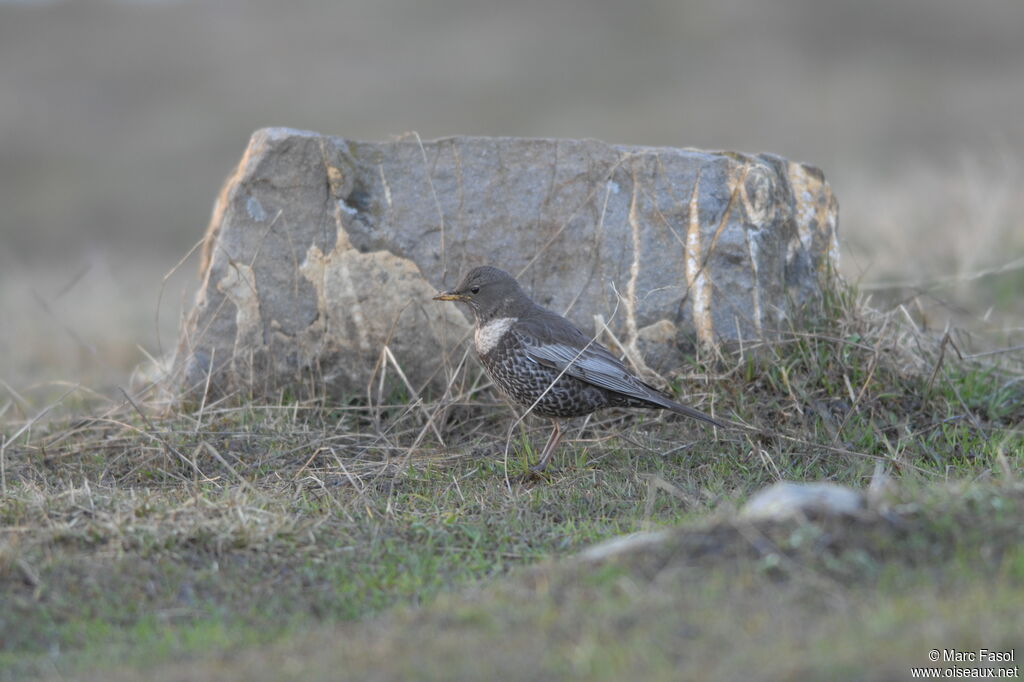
595	365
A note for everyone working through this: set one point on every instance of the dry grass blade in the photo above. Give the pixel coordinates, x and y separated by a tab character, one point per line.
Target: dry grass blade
933	283
873	364
6	442
241	479
163	285
417	401
153	433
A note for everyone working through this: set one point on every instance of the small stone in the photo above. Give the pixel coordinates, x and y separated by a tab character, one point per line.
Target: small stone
624	544
787	499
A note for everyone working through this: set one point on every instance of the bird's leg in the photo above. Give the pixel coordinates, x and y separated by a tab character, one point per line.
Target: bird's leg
549	449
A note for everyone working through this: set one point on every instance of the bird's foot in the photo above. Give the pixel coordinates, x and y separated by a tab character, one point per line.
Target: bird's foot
538	468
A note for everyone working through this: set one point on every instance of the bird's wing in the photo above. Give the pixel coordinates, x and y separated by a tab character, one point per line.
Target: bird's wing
565	348
553	341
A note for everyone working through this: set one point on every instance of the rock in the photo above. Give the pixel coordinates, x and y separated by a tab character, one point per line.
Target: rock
322	250
657	345
624	544
787	499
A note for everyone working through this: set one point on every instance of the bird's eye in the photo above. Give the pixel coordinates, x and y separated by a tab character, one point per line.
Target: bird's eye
474	290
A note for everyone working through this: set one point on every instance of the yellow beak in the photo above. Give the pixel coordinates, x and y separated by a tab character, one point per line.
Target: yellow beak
449	296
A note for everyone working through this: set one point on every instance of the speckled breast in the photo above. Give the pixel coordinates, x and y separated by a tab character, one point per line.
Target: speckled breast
524	381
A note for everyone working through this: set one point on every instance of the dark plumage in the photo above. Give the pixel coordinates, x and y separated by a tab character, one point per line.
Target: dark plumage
541	361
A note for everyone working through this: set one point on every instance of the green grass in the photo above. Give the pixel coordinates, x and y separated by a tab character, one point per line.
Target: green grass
825	599
286	539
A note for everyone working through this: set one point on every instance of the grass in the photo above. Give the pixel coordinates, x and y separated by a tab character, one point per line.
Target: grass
290	539
709	604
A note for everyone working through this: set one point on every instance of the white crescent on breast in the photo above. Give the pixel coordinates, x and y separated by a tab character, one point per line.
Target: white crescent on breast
488	335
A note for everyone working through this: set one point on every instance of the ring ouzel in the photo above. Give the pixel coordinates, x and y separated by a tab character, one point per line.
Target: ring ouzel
540	360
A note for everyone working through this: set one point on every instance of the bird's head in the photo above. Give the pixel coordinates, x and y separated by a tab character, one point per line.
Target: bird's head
489	292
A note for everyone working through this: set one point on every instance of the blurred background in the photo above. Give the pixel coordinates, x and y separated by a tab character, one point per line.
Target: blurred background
120	119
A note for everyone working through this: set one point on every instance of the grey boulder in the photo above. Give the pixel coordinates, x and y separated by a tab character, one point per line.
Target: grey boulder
323	253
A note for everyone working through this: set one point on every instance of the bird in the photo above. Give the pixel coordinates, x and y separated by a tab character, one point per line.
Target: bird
543	362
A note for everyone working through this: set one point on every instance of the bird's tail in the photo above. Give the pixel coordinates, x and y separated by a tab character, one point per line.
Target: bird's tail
659	399
679	408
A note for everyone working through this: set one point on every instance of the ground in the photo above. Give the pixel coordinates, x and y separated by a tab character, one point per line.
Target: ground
279	540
